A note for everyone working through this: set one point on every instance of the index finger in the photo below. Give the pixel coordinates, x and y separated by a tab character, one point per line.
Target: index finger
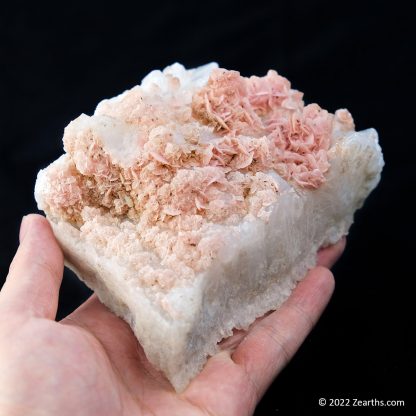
328	256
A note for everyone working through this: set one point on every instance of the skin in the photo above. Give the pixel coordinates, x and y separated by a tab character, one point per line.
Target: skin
90	363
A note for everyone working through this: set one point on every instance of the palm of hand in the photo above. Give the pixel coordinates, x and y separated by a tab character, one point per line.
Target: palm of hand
90	363
93	364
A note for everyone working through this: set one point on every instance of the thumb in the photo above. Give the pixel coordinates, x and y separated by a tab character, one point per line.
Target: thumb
35	275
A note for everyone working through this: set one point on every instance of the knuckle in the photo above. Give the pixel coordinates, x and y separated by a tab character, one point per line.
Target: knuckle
280	341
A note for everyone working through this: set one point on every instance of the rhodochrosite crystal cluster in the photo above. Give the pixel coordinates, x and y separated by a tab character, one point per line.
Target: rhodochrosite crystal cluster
199	198
174	157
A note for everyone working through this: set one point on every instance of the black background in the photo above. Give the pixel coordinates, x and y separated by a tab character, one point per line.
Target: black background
58	61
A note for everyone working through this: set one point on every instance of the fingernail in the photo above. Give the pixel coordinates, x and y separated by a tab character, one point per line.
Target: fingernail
24	225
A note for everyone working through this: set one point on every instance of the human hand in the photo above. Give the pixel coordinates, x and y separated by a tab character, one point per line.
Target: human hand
90	363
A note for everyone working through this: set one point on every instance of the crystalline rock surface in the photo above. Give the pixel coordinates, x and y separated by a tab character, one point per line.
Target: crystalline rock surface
194	202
